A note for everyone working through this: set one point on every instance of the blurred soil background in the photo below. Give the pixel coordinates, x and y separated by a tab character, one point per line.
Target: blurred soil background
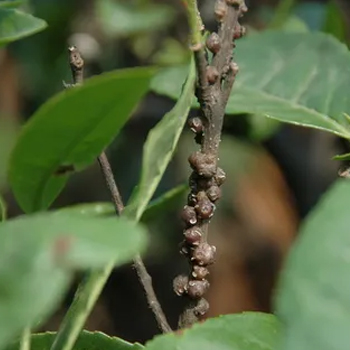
276	173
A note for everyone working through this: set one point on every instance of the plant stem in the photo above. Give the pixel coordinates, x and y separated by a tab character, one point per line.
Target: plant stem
25	339
111	184
90	289
215	78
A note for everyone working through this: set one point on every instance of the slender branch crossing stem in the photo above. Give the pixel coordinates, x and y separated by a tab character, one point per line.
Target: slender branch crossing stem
92	286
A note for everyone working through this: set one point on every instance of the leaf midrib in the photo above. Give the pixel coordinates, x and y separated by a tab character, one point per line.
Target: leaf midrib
342	131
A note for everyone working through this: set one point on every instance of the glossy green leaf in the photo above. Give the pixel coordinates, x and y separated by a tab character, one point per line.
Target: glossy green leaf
39	253
246	331
313	295
11	3
15	24
299	78
159	148
86	341
69	131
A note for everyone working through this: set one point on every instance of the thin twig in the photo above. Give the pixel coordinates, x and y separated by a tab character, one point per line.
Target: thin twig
111	184
144	277
90	289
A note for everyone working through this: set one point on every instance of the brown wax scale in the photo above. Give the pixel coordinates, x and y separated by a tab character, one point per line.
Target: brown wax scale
189	215
202	307
220	10
180	284
212	74
196	124
203	164
191	199
204	207
214	193
185	249
196	289
213	43
193	235
204	254
199	272
220	176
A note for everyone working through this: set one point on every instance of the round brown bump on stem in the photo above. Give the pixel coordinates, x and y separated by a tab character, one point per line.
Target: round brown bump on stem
196	289
239	31
193	235
199	272
220	10
205	209
202	307
203	164
213	43
185	249
191	199
212	74
180	284
214	193
204	254
189	215
220	176
196	124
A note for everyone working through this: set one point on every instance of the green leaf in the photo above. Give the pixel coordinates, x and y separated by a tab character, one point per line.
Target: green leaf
163	203
313	294
11	3
155	208
282	13
345	156
299	78
15	24
335	22
69	131
159	148
246	331
86	341
3	209
127	18
39	253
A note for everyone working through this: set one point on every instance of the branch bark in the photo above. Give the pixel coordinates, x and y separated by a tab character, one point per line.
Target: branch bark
77	66
215	79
